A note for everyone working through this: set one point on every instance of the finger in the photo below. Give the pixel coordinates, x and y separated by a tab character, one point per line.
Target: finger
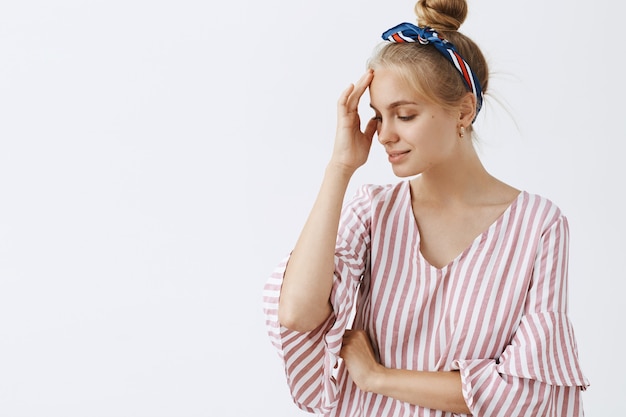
346	336
343	98
370	128
359	88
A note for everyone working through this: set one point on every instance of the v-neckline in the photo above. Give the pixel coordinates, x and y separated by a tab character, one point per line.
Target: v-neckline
479	237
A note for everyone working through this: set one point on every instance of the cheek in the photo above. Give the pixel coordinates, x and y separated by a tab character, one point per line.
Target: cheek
445	129
434	139
428	132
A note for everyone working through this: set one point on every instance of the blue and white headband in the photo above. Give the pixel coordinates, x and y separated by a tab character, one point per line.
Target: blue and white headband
408	32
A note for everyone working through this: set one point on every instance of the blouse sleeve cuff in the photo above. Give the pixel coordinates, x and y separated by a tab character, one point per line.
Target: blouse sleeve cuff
309	358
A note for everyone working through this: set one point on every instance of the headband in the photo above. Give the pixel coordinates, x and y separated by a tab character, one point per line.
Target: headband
408	32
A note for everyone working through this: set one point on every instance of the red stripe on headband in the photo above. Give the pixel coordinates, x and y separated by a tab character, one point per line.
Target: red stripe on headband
397	38
466	75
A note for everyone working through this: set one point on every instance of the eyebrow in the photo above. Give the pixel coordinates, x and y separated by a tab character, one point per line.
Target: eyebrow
397	104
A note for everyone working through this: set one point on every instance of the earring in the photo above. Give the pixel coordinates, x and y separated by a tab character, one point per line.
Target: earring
462	132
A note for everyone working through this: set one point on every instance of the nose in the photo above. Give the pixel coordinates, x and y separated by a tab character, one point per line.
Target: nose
386	133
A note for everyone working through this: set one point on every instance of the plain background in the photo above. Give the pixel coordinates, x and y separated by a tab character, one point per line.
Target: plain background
158	158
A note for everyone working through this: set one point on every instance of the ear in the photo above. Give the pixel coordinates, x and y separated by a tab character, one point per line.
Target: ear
467	109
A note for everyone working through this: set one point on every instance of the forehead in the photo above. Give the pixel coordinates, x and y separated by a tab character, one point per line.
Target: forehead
389	86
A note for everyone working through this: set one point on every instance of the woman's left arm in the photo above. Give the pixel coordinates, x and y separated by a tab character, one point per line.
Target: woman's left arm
434	390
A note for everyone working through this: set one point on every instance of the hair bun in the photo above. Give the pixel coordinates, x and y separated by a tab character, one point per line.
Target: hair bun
442	15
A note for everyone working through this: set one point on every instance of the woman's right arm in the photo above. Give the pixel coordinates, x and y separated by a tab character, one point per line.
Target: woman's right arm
304	299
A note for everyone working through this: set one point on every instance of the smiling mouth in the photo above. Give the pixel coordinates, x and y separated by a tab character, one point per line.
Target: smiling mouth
396	154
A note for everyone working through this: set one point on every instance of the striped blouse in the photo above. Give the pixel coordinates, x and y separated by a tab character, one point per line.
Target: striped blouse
497	313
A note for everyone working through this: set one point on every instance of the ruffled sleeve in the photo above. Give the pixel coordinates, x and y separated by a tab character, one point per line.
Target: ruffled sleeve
309	358
538	373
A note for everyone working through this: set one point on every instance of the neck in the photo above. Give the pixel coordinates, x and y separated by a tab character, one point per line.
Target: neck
460	180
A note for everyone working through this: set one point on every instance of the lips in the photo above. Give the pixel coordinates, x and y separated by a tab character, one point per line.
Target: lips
396	156
396	153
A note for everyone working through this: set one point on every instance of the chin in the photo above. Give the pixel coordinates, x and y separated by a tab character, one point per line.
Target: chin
405	173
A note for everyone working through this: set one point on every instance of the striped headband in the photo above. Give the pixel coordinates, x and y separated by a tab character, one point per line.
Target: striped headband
408	32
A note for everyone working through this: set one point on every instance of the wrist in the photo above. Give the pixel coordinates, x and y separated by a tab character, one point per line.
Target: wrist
376	379
340	170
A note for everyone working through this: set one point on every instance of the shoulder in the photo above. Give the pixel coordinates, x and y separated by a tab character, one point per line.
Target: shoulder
541	210
377	193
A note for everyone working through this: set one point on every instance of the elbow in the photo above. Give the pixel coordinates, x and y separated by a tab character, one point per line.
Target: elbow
300	319
293	323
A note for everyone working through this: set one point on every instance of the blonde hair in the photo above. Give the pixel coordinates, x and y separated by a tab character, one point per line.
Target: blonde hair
423	67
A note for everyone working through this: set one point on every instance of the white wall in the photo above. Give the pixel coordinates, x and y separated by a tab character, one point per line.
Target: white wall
158	158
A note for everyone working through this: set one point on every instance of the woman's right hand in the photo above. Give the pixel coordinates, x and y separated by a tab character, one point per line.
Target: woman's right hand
352	146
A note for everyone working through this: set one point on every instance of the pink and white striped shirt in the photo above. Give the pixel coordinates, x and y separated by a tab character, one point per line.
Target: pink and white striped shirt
497	313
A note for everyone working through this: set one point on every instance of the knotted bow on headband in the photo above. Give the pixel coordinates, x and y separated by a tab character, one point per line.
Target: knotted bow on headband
408	32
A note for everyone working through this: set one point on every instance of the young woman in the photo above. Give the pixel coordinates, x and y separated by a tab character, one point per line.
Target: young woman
444	294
